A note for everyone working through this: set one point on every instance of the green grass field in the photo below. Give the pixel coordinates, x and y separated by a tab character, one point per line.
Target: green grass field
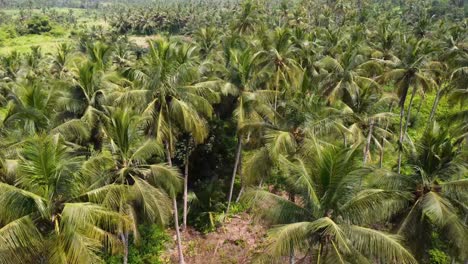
48	41
24	43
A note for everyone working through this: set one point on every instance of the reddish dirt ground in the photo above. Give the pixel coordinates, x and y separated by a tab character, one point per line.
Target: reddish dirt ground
236	242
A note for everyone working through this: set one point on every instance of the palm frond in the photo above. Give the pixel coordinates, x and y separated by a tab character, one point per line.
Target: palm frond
377	244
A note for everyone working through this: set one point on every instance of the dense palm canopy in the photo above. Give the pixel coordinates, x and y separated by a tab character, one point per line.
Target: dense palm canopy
340	125
44	215
329	221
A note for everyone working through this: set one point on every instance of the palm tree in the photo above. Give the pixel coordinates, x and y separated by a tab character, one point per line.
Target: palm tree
329	223
99	54
341	78
42	217
30	106
128	182
83	102
409	71
253	105
10	65
207	39
248	17
437	187
280	61
60	59
177	104
368	119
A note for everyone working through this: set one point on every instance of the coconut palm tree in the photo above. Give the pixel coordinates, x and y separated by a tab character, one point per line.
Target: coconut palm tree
328	222
128	181
60	59
248	18
82	103
280	61
42	217
341	78
30	106
242	79
10	65
437	186
407	72
366	119
177	105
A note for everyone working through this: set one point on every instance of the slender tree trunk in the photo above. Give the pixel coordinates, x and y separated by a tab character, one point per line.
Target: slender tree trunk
292	259
368	141
236	165
178	235
400	140
382	145
345	141
408	114
168	153
241	178
186	175
260	184
176	213
434	107
404	128
240	194
381	157
124	238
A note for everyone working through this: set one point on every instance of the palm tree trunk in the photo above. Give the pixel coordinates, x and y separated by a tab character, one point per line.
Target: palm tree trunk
236	165
176	213
124	238
382	145
345	141
408	114
178	235
240	194
241	178
368	141
186	174
434	106
292	259
381	157
400	140
403	129
276	89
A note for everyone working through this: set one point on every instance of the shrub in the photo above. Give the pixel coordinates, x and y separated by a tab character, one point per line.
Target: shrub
58	31
437	256
7	32
38	24
151	245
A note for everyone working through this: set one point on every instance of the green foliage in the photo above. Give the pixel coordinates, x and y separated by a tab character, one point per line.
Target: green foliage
38	24
438	252
58	31
152	243
438	256
343	123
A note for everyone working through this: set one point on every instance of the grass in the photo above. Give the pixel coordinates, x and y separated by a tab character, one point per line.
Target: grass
49	41
23	44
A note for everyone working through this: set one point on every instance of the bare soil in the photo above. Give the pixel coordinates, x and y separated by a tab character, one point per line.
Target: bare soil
235	242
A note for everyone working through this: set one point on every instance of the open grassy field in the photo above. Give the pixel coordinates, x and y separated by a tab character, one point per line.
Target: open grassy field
24	43
48	41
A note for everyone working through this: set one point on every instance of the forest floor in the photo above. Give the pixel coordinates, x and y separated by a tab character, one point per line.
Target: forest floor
236	242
